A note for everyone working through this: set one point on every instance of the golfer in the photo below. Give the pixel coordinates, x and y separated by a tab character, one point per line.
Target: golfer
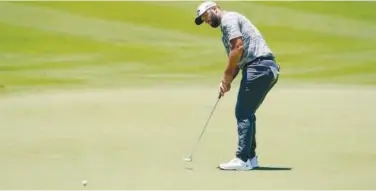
248	52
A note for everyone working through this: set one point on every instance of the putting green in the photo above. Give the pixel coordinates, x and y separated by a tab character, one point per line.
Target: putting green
120	139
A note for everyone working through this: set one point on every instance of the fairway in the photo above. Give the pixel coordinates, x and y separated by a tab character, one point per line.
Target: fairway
117	93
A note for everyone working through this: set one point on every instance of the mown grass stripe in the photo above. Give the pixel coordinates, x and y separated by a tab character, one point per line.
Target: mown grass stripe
98	29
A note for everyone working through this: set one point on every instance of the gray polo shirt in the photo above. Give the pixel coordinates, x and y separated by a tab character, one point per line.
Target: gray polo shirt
234	25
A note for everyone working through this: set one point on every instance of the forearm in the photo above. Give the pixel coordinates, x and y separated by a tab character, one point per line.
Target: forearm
232	69
235	73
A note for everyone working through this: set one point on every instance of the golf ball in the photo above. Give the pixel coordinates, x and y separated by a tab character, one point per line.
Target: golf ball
188	159
84	182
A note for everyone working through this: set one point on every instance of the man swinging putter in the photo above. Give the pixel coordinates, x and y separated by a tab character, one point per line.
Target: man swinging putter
247	51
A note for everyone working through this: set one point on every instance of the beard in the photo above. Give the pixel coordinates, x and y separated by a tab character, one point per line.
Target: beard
215	20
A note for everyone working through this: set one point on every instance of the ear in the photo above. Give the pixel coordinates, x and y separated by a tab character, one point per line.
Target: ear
217	9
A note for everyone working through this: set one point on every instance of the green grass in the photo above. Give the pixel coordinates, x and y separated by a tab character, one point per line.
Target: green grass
120	43
136	138
162	72
353	10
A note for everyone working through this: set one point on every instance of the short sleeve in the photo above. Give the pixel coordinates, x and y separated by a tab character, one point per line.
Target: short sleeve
230	27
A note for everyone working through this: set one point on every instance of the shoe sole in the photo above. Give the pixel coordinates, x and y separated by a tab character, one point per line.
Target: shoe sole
234	169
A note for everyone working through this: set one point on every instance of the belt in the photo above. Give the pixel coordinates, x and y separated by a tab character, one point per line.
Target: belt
274	68
258	59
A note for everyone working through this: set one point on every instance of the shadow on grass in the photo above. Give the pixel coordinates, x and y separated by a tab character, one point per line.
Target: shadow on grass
270	168
266	168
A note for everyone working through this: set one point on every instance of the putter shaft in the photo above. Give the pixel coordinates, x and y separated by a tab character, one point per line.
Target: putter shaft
203	130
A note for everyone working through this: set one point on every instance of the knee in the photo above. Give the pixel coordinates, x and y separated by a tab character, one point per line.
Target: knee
242	115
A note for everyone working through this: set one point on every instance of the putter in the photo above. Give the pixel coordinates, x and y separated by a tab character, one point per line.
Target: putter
189	159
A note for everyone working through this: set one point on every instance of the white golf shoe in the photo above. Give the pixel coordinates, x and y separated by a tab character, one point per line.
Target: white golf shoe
253	162
236	164
239	165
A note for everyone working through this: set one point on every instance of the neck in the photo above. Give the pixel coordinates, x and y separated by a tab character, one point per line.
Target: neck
220	13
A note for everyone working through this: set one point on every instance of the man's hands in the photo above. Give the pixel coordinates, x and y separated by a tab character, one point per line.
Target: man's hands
223	88
225	84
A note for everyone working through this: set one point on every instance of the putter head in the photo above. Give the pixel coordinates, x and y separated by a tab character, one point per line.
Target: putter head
189	159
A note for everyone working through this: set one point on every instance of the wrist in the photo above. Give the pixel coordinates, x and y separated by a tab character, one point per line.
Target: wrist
227	79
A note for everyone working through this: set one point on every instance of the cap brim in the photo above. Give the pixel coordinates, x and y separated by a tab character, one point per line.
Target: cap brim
198	20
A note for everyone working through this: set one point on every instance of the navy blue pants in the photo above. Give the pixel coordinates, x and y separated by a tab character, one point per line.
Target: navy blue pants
258	79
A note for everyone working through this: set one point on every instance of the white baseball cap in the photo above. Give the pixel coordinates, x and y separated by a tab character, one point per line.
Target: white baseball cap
202	8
